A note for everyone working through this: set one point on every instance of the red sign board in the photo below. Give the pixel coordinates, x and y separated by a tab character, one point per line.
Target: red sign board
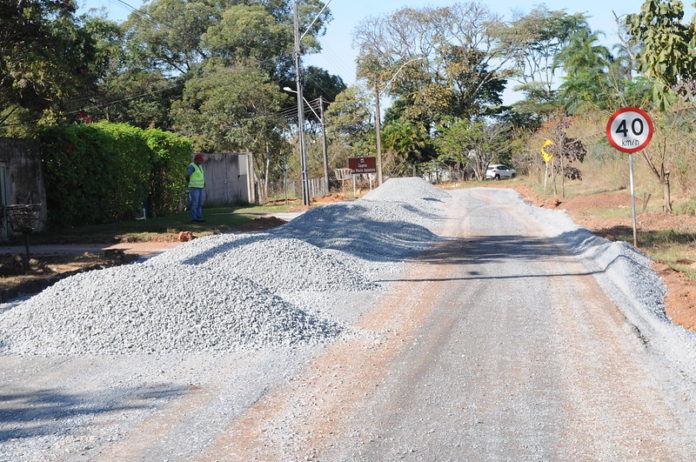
362	164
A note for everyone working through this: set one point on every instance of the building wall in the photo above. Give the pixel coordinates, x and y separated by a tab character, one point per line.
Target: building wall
229	178
21	178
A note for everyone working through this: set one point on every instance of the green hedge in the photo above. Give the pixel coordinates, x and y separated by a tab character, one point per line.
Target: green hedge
102	173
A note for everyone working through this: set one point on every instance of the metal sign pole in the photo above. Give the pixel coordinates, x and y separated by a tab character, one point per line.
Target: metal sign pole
633	200
629	130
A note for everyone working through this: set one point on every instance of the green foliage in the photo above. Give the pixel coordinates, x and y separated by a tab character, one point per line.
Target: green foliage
442	62
45	53
668	52
348	117
405	144
686	208
534	41
169	153
472	144
100	173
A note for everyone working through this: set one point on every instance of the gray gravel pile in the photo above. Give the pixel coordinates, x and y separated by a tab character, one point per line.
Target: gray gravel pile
279	264
406	190
286	264
222	292
141	308
371	230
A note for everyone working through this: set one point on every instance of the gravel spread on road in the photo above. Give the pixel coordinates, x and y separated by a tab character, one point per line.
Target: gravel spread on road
224	292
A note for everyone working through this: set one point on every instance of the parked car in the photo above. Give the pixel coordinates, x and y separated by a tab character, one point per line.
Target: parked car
500	171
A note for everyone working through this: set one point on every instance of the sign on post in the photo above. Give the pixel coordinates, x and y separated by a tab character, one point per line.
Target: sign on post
362	165
547	158
629	130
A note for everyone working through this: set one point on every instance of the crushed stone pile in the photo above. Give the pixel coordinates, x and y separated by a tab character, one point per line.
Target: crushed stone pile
146	309
407	190
374	231
222	292
277	263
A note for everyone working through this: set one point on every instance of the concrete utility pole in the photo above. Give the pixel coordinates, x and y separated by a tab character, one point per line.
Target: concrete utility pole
324	146
378	131
378	127
300	112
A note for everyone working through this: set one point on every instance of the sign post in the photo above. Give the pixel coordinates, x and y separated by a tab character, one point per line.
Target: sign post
629	130
547	158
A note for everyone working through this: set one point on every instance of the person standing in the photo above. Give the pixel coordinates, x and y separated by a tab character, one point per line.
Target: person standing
195	178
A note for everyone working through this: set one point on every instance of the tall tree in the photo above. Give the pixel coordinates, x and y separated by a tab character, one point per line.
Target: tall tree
441	61
668	47
234	109
587	65
348	119
45	56
534	40
474	144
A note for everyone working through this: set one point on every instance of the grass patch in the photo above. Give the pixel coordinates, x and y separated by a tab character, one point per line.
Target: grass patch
614	212
269	209
217	220
681	257
674	249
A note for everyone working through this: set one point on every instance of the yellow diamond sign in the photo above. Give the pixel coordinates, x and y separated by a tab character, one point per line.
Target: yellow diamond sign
547	155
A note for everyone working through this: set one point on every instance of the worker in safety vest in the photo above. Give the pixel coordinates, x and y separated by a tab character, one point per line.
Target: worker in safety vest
195	178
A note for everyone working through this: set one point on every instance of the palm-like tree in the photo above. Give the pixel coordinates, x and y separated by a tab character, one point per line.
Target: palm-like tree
584	54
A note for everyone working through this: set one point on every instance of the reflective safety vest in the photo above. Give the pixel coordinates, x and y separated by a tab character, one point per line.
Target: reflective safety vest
197	179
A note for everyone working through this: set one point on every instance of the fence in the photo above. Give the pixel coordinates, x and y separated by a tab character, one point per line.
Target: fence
292	189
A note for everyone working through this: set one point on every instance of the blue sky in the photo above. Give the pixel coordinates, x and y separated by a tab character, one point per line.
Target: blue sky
338	56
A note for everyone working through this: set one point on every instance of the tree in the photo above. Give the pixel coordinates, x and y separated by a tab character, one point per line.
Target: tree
45	56
668	47
234	109
348	119
179	36
534	41
471	144
405	145
586	64
668	55
440	61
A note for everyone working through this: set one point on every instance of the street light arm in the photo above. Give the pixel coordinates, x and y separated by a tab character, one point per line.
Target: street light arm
290	90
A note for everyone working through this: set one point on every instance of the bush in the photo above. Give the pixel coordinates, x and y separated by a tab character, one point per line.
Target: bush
170	155
101	173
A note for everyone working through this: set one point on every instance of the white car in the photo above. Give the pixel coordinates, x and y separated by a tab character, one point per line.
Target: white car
500	171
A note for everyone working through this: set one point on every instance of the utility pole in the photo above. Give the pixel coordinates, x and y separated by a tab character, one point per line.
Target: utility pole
378	130
324	146
300	111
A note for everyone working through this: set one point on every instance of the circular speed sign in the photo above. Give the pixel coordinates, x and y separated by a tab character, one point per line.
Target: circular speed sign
630	129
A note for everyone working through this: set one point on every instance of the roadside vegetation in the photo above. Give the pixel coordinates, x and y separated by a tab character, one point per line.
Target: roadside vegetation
183	76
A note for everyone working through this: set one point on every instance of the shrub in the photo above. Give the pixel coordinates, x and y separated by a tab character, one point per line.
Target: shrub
101	173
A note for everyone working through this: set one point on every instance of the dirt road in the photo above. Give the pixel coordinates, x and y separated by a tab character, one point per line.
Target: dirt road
497	344
503	347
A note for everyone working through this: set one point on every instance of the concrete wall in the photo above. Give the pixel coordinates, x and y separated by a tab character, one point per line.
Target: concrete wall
21	179
229	178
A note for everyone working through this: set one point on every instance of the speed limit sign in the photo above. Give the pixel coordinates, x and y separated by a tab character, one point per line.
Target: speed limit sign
630	129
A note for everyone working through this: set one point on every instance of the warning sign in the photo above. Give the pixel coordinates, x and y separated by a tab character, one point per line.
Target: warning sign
362	164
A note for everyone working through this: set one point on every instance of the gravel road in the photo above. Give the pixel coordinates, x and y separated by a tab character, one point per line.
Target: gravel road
463	326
